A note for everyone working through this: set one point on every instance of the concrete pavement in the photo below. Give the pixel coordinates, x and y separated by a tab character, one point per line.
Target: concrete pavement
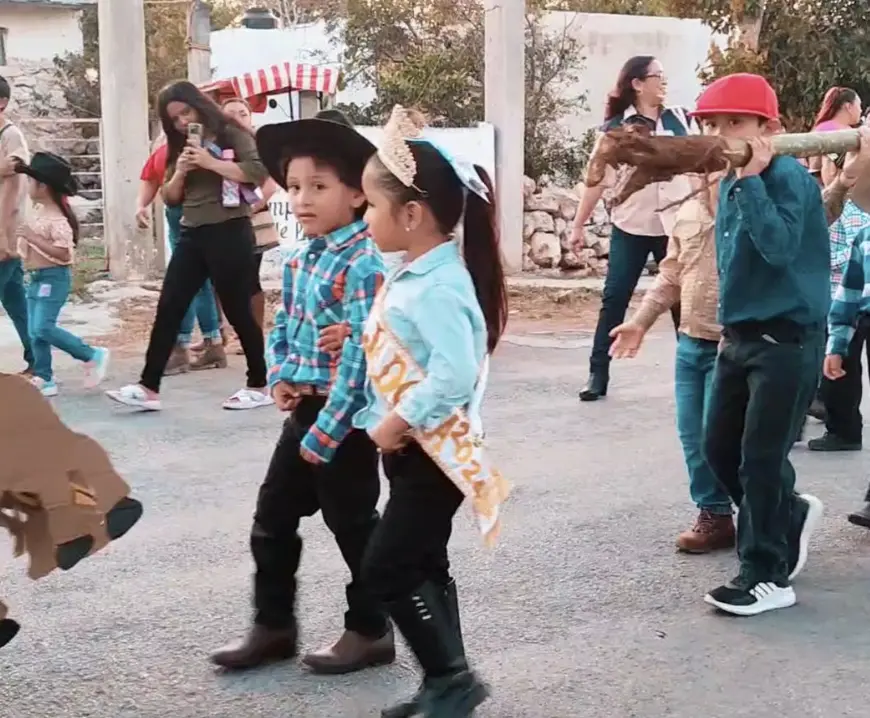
584	610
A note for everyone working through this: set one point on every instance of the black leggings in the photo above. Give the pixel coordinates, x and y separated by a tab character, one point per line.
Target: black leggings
256	287
409	545
223	253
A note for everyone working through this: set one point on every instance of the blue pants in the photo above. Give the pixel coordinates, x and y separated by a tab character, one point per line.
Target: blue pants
47	292
696	359
14	301
203	308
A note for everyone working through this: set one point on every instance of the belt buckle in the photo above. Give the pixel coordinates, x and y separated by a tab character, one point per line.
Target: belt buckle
28	279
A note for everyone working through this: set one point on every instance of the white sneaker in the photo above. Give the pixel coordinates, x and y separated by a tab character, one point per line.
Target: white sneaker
245	399
47	388
98	367
135	396
760	598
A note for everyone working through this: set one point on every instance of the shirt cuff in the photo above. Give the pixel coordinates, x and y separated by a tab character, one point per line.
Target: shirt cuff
317	447
837	345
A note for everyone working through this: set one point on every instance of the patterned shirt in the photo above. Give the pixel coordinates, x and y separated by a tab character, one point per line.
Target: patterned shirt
852	296
843	232
327	280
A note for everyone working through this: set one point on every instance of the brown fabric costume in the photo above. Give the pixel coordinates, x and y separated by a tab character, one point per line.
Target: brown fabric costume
60	497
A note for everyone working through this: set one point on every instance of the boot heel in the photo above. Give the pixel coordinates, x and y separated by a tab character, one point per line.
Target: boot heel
69	553
122	517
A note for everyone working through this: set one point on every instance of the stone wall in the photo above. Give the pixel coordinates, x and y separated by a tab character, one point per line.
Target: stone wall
547	224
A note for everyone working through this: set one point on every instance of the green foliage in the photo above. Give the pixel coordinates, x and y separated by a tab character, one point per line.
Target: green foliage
432	57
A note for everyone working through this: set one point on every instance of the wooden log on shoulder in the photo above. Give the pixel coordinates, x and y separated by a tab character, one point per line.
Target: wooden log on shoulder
657	158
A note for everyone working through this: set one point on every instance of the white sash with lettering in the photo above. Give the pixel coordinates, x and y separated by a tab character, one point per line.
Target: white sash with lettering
455	445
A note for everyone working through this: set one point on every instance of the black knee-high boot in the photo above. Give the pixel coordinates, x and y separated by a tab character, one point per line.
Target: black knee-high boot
450	689
411	707
8	630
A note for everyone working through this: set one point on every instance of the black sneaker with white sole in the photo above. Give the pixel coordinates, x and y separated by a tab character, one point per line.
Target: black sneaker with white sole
759	598
803	525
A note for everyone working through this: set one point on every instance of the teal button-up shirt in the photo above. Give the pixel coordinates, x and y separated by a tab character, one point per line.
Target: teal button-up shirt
772	247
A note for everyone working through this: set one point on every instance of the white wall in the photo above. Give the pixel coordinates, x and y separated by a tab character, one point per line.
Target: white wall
40	33
609	40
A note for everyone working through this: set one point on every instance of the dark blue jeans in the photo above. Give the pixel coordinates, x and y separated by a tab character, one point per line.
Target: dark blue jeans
628	257
14	301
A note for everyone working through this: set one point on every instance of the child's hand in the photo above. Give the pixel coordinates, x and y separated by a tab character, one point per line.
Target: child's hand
833	367
332	338
391	434
762	154
627	338
285	396
857	162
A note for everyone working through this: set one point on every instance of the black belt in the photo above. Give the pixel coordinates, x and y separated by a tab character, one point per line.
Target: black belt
772	331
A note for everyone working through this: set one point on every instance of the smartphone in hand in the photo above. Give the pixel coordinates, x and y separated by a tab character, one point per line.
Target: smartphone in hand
194	133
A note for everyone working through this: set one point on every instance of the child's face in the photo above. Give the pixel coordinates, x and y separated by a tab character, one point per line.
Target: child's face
381	216
319	200
736	126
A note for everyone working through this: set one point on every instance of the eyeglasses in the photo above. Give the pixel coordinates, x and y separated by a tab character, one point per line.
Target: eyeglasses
657	75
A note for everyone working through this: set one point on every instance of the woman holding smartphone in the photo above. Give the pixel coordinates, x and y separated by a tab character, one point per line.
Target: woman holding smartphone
212	171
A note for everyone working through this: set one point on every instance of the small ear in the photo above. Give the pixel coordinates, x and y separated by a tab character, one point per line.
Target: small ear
414	215
774	126
358	199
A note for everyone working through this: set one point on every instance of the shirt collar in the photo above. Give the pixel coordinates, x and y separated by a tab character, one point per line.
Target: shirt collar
445	253
342	236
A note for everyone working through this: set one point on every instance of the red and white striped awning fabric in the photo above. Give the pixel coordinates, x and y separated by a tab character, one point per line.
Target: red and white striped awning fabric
276	79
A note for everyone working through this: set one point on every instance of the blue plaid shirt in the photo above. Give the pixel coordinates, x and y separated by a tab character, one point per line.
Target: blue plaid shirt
852	296
327	280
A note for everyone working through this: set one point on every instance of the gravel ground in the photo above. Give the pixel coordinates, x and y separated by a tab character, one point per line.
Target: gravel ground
584	609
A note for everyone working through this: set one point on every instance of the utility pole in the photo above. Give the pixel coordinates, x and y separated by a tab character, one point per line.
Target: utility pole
198	43
504	90
124	134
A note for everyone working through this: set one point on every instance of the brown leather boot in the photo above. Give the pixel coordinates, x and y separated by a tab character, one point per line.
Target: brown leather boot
213	357
262	645
710	532
179	362
352	652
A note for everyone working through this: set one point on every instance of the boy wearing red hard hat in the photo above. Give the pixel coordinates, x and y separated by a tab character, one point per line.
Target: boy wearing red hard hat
774	292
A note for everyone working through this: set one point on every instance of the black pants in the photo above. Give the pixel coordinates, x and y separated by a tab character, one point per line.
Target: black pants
628	256
842	398
223	253
345	490
761	392
409	547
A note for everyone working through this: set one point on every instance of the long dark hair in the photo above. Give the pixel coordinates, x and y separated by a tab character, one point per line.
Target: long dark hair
213	119
623	95
833	102
62	202
438	186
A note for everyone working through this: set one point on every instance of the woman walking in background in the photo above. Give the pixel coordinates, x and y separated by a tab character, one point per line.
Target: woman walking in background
46	242
640	225
213	170
203	310
840	110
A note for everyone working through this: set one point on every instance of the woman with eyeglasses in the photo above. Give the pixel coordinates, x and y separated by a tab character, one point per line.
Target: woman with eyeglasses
642	223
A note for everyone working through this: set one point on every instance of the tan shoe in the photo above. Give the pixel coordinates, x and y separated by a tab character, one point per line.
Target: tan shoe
179	362
262	645
352	652
213	357
711	532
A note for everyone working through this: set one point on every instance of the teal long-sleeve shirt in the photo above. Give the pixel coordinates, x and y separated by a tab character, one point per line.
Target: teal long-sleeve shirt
772	247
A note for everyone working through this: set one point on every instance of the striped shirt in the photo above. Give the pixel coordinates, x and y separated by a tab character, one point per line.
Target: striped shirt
327	280
852	296
843	232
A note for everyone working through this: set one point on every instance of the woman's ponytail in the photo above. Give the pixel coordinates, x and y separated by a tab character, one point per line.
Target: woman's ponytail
482	252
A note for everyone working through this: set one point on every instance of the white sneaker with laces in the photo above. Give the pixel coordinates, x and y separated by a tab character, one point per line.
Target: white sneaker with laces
760	598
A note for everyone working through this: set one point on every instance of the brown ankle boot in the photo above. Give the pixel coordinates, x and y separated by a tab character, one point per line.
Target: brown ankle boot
710	532
213	357
262	645
179	362
352	652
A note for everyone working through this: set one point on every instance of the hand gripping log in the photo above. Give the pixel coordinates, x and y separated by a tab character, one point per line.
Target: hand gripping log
660	158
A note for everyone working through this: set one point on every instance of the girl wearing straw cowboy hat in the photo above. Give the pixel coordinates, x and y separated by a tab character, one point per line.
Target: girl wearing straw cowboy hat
46	241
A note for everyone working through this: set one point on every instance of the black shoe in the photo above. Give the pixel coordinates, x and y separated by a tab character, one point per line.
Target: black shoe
751	601
832	442
450	689
122	517
69	554
806	512
412	706
817	411
8	630
861	517
595	389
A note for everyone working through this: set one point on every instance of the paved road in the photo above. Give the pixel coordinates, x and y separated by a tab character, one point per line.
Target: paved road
583	611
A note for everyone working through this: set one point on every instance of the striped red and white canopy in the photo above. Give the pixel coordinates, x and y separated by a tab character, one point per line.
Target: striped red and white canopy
276	79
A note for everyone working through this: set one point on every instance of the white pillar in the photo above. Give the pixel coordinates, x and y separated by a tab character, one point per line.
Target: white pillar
505	109
124	107
199	50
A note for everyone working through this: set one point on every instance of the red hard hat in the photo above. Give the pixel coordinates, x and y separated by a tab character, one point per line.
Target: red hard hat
739	94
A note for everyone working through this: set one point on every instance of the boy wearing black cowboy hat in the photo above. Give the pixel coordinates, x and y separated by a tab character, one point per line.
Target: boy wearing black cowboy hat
321	463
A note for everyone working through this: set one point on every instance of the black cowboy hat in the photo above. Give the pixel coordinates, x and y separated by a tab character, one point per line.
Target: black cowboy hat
51	170
330	130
